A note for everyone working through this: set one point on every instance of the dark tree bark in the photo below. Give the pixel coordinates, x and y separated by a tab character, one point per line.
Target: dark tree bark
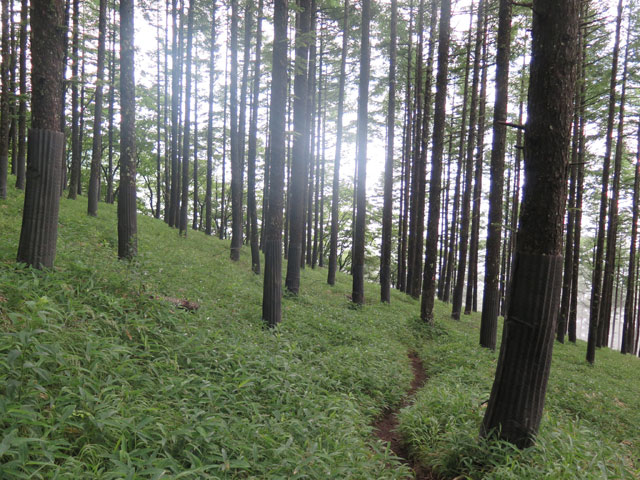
357	294
318	143
517	397
196	200
236	159
176	74
387	208
272	292
298	161
596	285
74	181
109	196
22	107
439	120
127	220
244	86
165	118
604	321
628	328
251	153
212	66
335	197
184	202
223	198
491	297
37	245
159	121
5	114
96	153
307	243
471	140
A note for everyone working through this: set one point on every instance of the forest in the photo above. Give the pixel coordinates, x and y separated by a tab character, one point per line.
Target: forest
319	239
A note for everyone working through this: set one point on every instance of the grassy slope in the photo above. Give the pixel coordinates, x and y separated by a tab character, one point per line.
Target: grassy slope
99	380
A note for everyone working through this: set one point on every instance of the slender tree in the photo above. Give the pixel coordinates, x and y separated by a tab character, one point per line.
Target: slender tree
272	292
517	397
127	220
236	159
491	297
335	197
176	74
96	151
439	120
212	66
74	181
252	149
22	106
387	209
37	246
5	113
186	145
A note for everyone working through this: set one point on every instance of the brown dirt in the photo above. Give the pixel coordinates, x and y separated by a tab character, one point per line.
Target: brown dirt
385	428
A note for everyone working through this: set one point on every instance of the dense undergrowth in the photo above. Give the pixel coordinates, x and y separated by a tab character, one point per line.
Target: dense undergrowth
102	378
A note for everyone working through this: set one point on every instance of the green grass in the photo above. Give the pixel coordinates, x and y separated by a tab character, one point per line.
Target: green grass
99	378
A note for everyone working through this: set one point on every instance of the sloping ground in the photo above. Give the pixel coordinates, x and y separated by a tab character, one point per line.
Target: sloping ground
100	380
589	429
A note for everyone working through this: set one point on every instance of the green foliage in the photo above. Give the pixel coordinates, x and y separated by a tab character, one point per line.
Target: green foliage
585	430
102	378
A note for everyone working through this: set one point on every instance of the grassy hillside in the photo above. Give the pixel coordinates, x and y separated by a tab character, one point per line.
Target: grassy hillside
101	377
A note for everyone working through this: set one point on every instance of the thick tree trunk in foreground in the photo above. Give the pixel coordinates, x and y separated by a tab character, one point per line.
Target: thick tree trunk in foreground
96	150
491	297
127	220
37	246
439	120
272	291
357	294
335	196
517	397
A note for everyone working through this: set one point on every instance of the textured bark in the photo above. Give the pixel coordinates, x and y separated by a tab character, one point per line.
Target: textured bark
96	150
212	66
628	328
74	179
596	284
244	86
272	292
307	243
251	153
491	297
298	160
196	200
37	245
387	208
357	293
236	159
5	114
439	120
184	202
176	74
604	320
316	202
127	220
109	196
22	106
159	121
222	233
517	398
466	201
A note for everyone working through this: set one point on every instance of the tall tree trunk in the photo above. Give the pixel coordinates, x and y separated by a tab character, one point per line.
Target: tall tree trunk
307	244
491	297
242	120
251	154
628	328
387	208
5	114
223	198
515	407
298	161
96	150
127	220
165	118
466	200
22	108
335	197
236	159
272	292
604	320
176	74
196	199
37	245
357	294
110	196
159	120
212	67
316	202
439	120
75	107
184	202
596	284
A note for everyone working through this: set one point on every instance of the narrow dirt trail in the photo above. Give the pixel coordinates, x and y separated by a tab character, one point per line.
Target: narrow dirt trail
385	427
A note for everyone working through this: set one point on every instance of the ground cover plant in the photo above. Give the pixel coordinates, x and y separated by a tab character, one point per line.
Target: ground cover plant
101	376
588	430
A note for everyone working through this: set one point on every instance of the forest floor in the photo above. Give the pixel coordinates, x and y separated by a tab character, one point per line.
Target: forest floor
103	375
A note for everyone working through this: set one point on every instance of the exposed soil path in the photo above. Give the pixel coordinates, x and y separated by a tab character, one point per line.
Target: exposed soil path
385	427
